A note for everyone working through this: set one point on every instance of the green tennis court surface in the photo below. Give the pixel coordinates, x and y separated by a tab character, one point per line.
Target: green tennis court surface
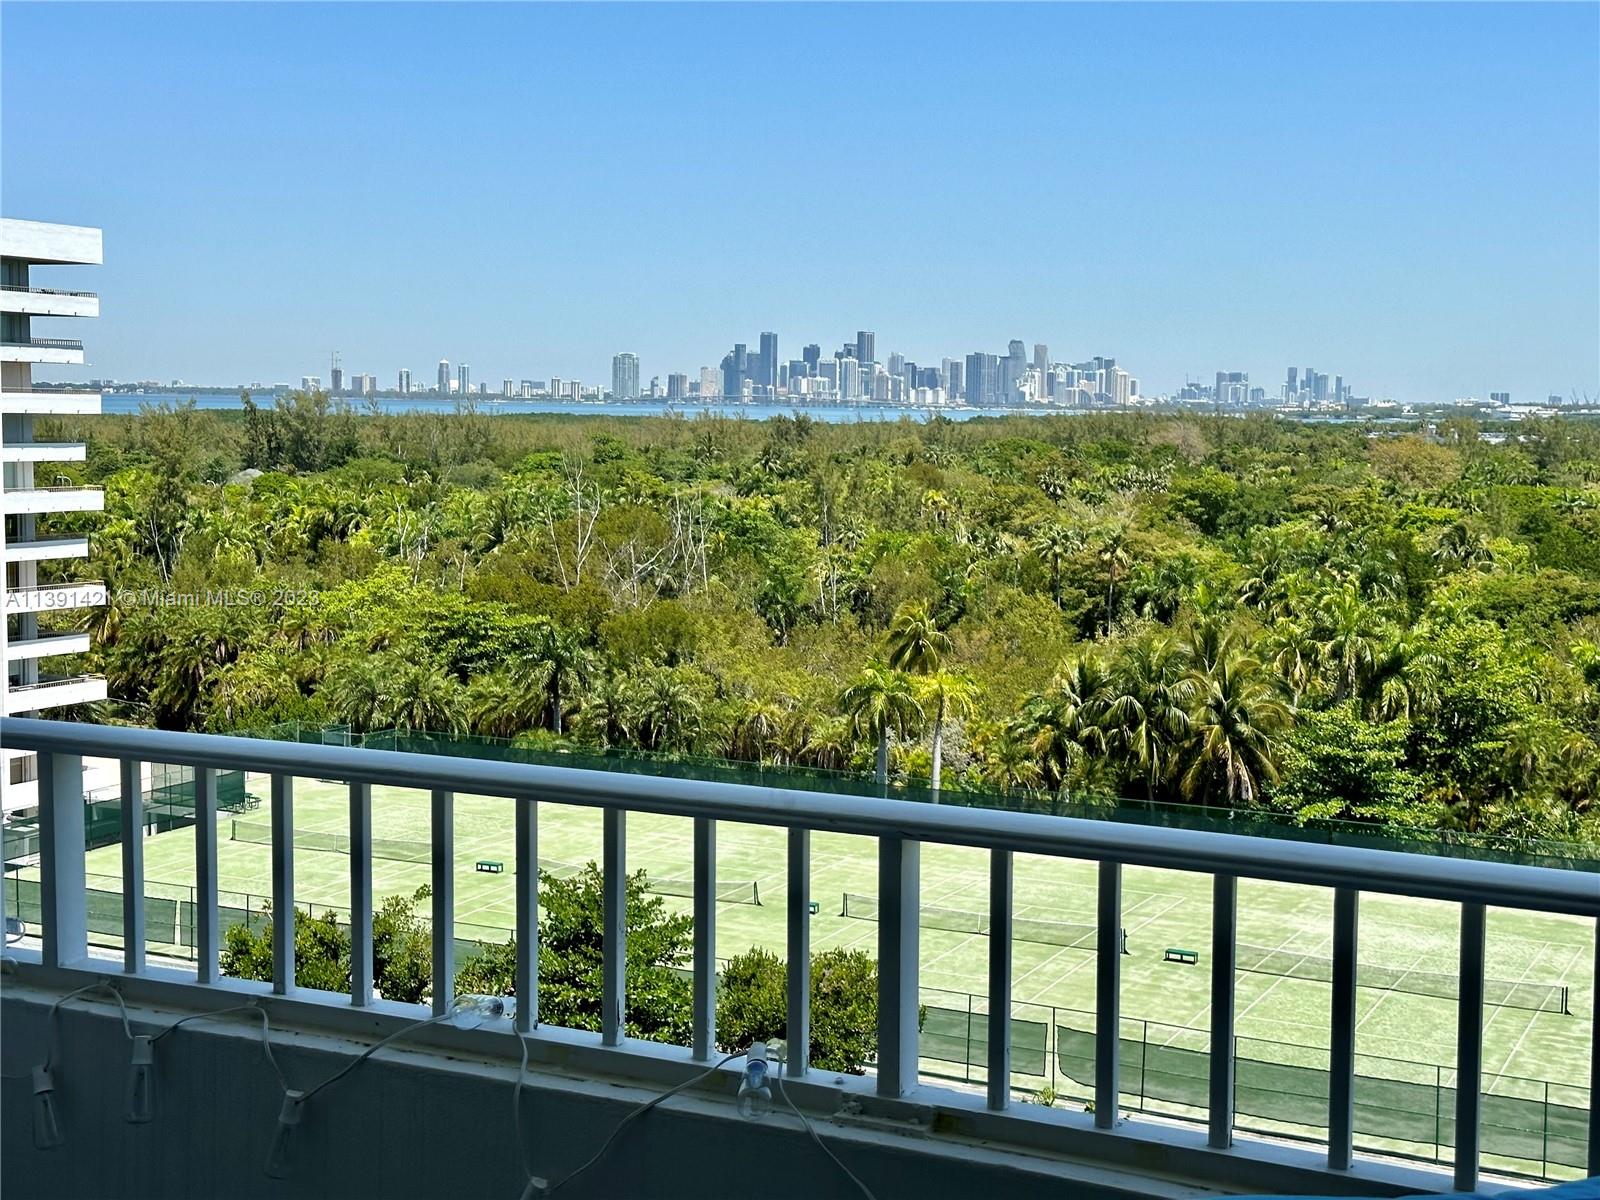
1535	1055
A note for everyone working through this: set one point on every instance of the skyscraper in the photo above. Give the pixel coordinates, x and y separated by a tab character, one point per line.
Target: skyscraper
812	355
866	347
464	379
677	386
337	380
403	384
710	383
732	374
767	376
1041	358
625	376
444	376
982	378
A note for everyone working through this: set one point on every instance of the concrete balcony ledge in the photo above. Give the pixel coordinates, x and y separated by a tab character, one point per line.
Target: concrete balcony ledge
42	549
52	693
50	403
47	646
48	302
45	351
432	1117
43	452
38	500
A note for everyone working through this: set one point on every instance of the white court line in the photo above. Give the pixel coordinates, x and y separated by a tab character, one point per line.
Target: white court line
1532	1017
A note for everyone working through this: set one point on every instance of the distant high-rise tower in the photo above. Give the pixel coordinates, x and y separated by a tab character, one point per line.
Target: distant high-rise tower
767	376
444	376
464	379
403	383
337	380
625	376
677	386
812	355
866	347
1041	358
982	378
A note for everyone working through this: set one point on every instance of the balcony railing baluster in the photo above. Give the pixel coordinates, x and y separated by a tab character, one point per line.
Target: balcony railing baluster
133	923
705	938
283	914
527	888
1594	1058
444	900
1224	940
1469	1045
207	933
1001	873
797	1026
1108	996
899	931
613	954
62	887
1342	1029
361	981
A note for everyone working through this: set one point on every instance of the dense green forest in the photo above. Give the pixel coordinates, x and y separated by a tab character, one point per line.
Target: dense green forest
1325	620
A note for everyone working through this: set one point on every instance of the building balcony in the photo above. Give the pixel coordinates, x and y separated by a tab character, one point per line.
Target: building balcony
34	452
47	646
44	549
40	500
428	1116
47	243
54	692
54	597
50	403
48	302
51	351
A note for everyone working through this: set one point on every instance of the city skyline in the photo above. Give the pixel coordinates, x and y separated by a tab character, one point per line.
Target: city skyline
1382	203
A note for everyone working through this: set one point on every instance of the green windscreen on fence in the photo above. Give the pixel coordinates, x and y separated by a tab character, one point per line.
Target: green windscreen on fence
1291	964
1392	1109
960	920
955	1036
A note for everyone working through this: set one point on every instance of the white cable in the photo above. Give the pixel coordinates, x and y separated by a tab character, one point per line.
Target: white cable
778	1076
371	1050
634	1115
50	1022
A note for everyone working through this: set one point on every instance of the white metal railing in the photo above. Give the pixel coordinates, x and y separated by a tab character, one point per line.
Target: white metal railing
899	827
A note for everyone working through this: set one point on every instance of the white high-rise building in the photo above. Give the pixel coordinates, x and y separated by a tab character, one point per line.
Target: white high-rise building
444	376
40	622
625	376
710	383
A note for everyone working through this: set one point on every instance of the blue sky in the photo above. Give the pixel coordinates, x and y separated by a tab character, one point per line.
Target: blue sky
1408	195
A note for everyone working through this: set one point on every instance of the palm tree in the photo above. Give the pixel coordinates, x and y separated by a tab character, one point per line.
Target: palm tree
422	697
667	713
1009	762
1230	753
499	704
756	731
561	664
1055	544
950	695
880	701
1145	716
1350	640
1293	653
353	692
1115	556
1404	680
1064	723
916	643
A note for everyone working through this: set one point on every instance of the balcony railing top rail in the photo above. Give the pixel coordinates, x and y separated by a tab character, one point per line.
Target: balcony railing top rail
39	291
1504	884
47	343
899	827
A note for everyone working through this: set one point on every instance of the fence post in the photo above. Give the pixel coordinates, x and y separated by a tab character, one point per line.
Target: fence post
283	916
526	868
1108	997
1144	1062
1469	1046
203	909
1342	1030
797	1019
1224	930
62	887
1001	880
614	938
361	966
899	926
444	901
133	899
1544	1146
